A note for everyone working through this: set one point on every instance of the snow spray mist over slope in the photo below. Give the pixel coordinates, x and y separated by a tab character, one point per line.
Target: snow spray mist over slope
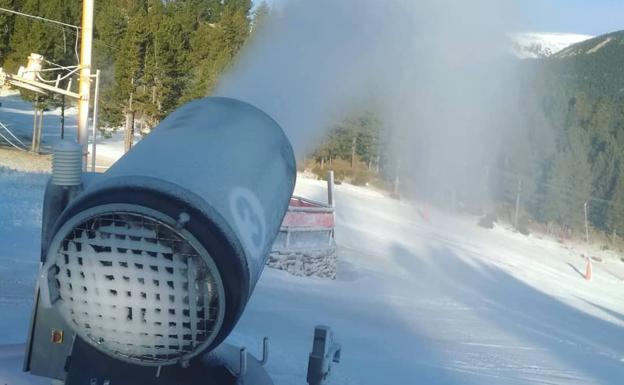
438	70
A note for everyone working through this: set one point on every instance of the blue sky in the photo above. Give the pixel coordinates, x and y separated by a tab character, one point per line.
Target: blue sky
593	17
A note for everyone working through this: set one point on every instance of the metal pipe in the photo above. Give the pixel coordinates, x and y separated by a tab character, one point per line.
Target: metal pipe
62	117
242	366
33	144
265	351
86	43
95	117
39	87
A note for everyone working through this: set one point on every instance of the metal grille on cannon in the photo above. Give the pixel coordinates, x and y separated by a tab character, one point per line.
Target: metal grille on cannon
136	288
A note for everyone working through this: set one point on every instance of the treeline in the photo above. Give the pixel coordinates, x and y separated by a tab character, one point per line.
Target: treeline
566	151
563	152
154	54
578	157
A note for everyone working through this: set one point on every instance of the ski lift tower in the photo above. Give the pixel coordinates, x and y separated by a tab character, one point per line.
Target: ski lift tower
30	78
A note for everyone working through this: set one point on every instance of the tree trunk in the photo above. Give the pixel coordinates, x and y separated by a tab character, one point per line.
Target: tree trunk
129	131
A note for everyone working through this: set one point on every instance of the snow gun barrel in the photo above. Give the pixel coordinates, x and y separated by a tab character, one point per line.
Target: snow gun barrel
154	261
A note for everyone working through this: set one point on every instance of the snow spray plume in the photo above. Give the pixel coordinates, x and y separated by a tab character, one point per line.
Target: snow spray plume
437	69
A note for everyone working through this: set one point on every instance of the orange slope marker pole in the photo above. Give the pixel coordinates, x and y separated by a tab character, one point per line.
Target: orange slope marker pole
588	270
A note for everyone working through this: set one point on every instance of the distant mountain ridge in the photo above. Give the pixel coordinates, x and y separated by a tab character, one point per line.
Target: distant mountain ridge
594	66
535	45
608	42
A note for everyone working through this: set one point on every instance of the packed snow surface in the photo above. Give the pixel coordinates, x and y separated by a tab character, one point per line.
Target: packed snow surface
414	302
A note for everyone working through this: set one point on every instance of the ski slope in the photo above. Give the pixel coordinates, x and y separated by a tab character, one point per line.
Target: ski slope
443	302
415	302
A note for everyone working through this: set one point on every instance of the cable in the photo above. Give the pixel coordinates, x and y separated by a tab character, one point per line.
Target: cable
59	79
59	23
10	133
60	66
39	18
11	143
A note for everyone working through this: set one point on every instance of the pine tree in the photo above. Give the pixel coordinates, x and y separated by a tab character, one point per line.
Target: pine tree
6	28
129	66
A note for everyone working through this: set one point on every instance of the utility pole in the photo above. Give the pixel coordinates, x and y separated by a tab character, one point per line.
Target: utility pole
86	49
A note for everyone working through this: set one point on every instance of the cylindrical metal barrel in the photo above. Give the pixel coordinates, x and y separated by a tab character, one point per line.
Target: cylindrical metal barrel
66	163
175	234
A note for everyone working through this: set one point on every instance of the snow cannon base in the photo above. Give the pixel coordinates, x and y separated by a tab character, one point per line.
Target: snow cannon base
226	365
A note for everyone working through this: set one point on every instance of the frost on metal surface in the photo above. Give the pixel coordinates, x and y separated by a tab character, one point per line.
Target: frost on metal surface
136	288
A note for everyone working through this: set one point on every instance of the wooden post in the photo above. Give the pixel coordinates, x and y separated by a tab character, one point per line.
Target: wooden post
517	203
353	145
397	181
129	130
586	224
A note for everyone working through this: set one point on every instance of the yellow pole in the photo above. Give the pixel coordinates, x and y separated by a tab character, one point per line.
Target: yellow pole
86	48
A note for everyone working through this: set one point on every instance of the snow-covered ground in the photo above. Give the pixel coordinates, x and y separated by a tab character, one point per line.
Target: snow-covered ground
17	115
443	302
415	302
438	302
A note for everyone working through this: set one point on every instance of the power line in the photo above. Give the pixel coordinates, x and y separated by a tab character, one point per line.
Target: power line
39	18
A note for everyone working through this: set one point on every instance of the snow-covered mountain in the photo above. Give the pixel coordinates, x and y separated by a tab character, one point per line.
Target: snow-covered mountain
533	45
610	43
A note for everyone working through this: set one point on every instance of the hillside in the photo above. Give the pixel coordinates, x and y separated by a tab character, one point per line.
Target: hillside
574	156
593	45
593	66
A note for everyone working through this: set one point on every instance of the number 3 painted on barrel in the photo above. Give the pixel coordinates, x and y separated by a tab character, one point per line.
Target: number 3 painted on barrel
249	218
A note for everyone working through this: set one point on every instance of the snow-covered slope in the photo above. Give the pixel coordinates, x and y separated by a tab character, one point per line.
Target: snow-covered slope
533	45
437	301
415	302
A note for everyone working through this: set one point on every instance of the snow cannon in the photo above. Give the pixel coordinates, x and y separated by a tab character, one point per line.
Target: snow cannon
147	267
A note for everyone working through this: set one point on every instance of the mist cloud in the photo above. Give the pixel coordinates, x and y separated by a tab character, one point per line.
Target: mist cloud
438	70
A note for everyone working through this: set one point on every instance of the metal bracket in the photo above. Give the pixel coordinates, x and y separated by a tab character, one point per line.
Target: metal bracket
325	351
